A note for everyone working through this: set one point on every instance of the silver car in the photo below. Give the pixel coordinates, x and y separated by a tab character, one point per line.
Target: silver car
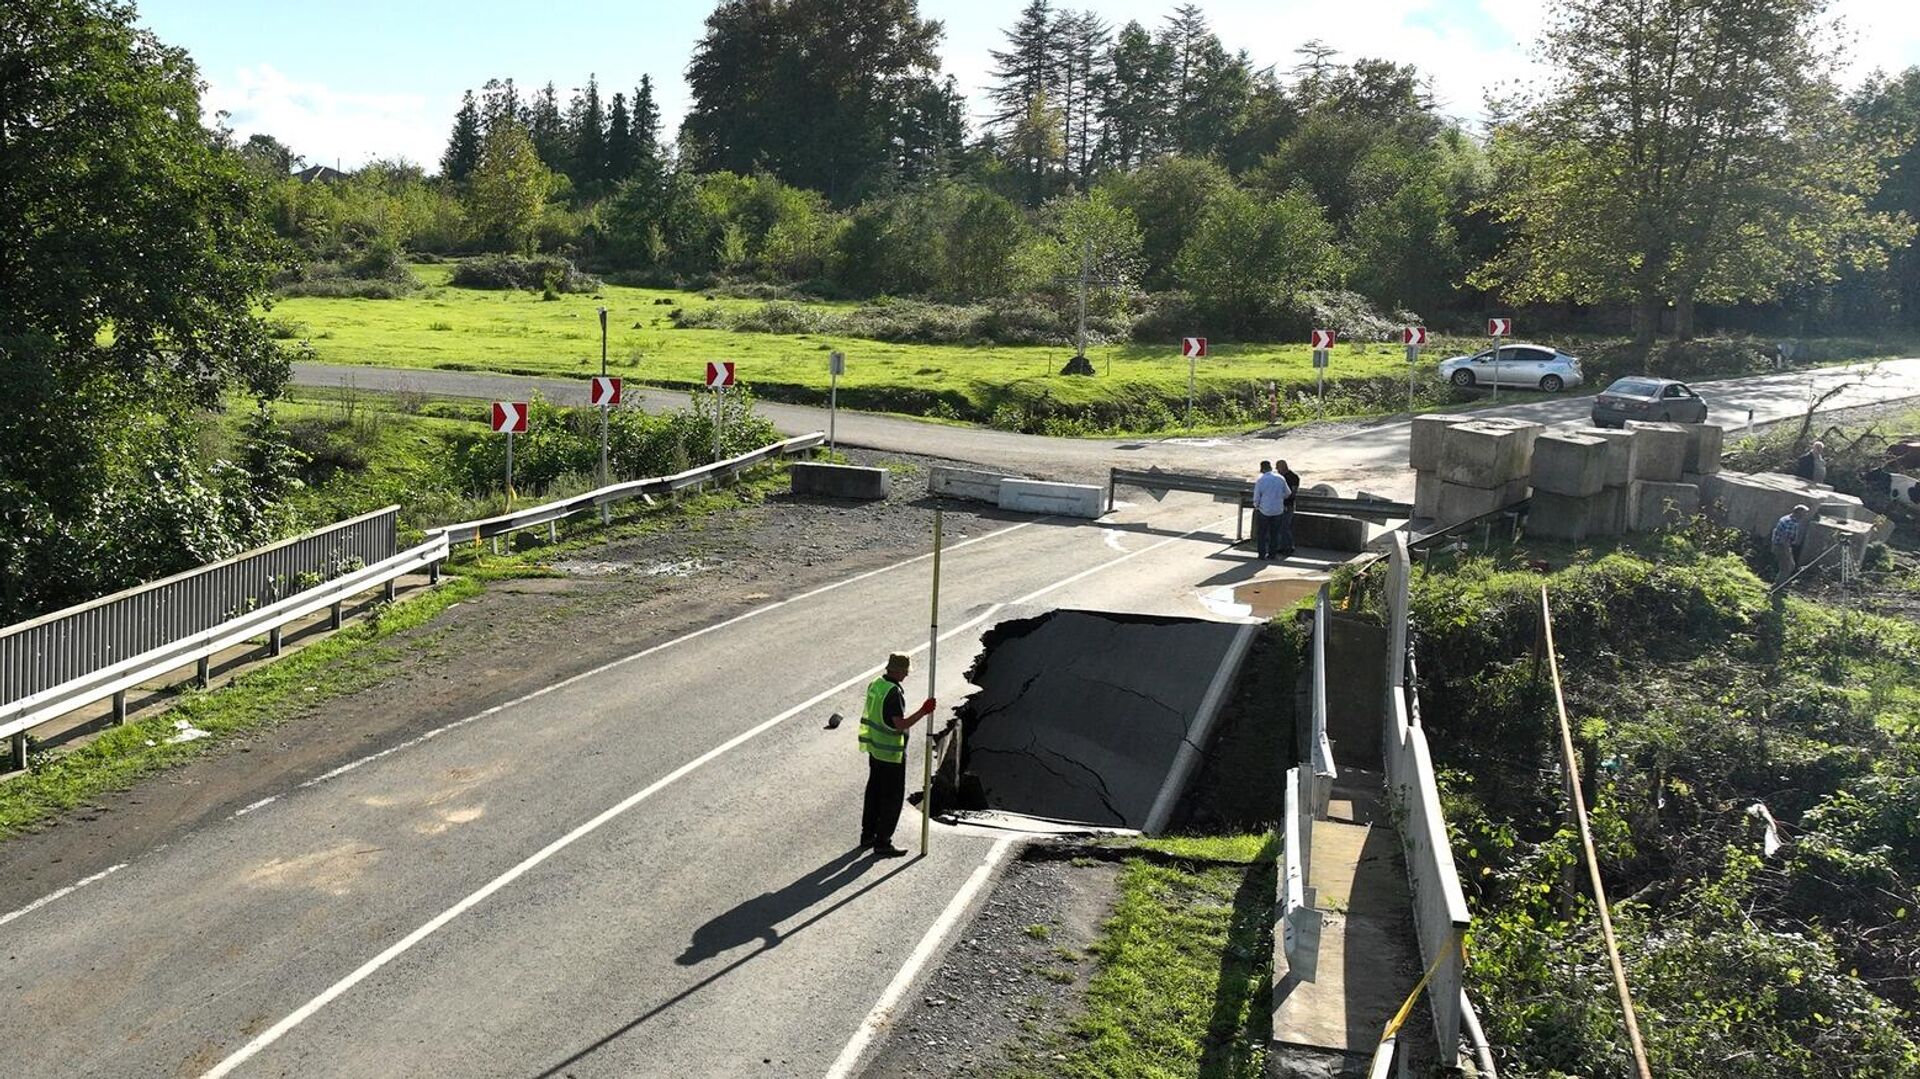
1533	367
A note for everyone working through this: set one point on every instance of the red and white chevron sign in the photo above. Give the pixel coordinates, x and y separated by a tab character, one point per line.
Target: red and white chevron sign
510	417
606	391
719	375
1193	347
1323	339
1413	335
1499	327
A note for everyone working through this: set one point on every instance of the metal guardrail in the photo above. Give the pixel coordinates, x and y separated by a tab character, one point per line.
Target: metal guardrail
56	648
552	512
1440	914
1221	487
1319	750
18	716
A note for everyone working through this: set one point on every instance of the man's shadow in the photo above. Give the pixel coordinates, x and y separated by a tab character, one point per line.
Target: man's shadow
759	918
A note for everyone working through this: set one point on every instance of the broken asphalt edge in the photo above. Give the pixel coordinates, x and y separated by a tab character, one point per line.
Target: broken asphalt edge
1199	731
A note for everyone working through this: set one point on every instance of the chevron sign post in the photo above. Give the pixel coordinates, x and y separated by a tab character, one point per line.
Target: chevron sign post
510	418
1322	355
1499	327
720	375
1414	337
1496	329
606	394
1322	339
1193	348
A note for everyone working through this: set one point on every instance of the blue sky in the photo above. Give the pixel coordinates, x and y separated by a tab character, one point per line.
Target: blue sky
355	79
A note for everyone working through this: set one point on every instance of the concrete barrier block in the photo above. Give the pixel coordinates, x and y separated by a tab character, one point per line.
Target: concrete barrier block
1826	532
1608	514
1562	517
1659	451
1458	503
1327	533
1426	494
1704	443
1478	455
1061	499
1753	502
1423	446
964	483
1525	434
839	481
1619	452
1573	465
1652	505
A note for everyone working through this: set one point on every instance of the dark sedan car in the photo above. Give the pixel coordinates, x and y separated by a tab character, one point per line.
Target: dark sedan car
1638	397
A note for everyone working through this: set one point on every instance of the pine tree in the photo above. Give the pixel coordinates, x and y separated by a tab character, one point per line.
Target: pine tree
1028	69
619	141
1133	110
644	123
588	125
500	101
463	147
1084	74
548	129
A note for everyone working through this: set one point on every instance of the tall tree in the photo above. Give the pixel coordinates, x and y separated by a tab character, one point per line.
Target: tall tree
1889	107
587	124
134	257
1027	68
1133	109
500	102
1685	151
463	146
1249	258
271	157
619	140
510	187
1084	39
547	127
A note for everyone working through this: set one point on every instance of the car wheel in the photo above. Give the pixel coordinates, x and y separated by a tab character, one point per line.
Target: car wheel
1552	384
1463	378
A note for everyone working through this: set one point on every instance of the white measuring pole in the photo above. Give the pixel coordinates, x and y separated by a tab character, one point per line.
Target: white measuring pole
933	673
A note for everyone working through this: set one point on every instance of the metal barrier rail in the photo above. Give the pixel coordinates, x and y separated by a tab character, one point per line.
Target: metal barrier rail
1223	488
552	512
1319	750
1297	920
16	717
56	648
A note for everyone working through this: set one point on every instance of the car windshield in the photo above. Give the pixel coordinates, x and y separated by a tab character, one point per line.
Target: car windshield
1635	387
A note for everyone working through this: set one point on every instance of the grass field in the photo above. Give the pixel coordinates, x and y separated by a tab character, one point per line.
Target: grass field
1139	388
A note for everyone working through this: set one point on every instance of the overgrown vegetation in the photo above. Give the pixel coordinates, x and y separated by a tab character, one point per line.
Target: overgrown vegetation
1694	699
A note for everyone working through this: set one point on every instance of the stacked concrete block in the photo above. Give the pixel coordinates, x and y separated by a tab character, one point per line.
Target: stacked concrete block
1659	451
1652	505
1752	503
1620	452
1704	442
1827	532
1482	467
1423	448
1566	517
1569	488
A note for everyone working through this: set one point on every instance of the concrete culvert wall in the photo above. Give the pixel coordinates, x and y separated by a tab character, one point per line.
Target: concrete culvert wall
1081	715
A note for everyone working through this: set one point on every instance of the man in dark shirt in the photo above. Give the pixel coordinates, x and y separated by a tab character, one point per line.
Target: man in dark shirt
883	737
1286	514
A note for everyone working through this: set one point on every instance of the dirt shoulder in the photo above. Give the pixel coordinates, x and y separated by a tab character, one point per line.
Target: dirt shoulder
606	601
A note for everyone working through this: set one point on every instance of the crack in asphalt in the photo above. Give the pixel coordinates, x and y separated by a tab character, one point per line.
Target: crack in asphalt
1032	752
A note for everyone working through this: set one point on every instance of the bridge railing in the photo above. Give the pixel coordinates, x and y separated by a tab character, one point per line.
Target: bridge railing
1318	750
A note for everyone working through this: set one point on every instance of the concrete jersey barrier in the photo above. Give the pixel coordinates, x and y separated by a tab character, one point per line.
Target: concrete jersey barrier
1061	499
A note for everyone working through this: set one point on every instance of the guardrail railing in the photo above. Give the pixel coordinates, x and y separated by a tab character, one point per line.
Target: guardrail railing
1319	751
71	658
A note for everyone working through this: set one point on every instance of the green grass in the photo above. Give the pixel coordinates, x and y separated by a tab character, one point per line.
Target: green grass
1184	966
349	660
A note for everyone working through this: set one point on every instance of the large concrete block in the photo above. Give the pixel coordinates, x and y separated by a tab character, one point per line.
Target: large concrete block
1061	499
839	481
1328	533
1423	447
964	483
1607	514
1827	532
1753	503
1567	517
1458	503
1704	441
1659	451
1573	465
1653	505
1479	455
1620	452
1426	494
1525	432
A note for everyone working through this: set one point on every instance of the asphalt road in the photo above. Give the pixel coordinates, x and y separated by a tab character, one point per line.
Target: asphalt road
643	871
1371	454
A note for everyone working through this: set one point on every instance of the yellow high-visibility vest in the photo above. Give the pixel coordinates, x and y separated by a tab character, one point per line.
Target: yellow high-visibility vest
876	737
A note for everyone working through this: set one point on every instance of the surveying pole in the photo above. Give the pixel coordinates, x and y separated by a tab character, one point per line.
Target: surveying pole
933	672
606	512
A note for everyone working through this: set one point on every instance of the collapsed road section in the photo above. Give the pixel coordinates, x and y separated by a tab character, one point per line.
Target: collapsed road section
1093	718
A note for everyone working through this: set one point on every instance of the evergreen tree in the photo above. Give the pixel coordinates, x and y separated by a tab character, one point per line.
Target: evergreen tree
500	101
619	141
510	188
463	146
1208	87
1084	78
1133	108
548	129
587	123
1028	69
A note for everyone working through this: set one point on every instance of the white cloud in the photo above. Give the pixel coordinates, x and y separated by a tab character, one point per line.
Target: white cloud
324	125
1884	34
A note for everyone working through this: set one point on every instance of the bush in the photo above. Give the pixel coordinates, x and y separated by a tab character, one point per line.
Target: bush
378	273
531	274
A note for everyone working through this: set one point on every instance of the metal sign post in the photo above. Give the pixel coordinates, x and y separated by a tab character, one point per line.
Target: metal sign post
719	417
933	671
1320	366
509	470
1496	329
1192	348
606	512
836	363
1414	337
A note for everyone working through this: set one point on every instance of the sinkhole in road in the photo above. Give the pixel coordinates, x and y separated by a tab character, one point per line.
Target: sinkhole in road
1079	716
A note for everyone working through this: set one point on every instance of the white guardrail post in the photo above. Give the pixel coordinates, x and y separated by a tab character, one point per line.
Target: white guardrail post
1319	749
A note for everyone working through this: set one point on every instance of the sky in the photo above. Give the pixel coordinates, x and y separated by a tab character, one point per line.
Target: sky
348	81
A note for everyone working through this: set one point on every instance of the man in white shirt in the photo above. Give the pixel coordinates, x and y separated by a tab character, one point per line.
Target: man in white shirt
1270	494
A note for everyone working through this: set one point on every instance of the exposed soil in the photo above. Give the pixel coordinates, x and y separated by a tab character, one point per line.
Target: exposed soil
1002	999
516	637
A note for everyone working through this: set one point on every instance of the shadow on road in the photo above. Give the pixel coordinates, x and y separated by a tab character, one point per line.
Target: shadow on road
756	919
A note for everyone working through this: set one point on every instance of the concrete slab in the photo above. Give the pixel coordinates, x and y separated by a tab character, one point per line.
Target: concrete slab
1828	532
1659	451
1060	499
949	482
1607	514
1525	432
1653	505
1620	452
1704	443
1568	464
1326	533
1426	494
1458	503
1753	502
1566	517
1479	455
1423	446
1080	715
839	481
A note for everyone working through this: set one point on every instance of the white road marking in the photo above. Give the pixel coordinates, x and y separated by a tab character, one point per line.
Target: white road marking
68	890
904	978
1113	539
404	944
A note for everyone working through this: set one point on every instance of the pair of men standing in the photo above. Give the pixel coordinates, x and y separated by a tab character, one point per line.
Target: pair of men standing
1273	494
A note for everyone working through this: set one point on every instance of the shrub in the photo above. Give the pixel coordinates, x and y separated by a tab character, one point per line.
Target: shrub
532	274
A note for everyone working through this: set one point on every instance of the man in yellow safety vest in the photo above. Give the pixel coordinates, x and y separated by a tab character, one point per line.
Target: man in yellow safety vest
884	723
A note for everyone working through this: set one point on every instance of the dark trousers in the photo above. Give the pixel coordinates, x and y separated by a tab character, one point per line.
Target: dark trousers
1283	533
886	789
1266	534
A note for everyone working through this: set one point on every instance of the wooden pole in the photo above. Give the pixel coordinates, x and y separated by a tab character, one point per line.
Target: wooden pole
933	673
